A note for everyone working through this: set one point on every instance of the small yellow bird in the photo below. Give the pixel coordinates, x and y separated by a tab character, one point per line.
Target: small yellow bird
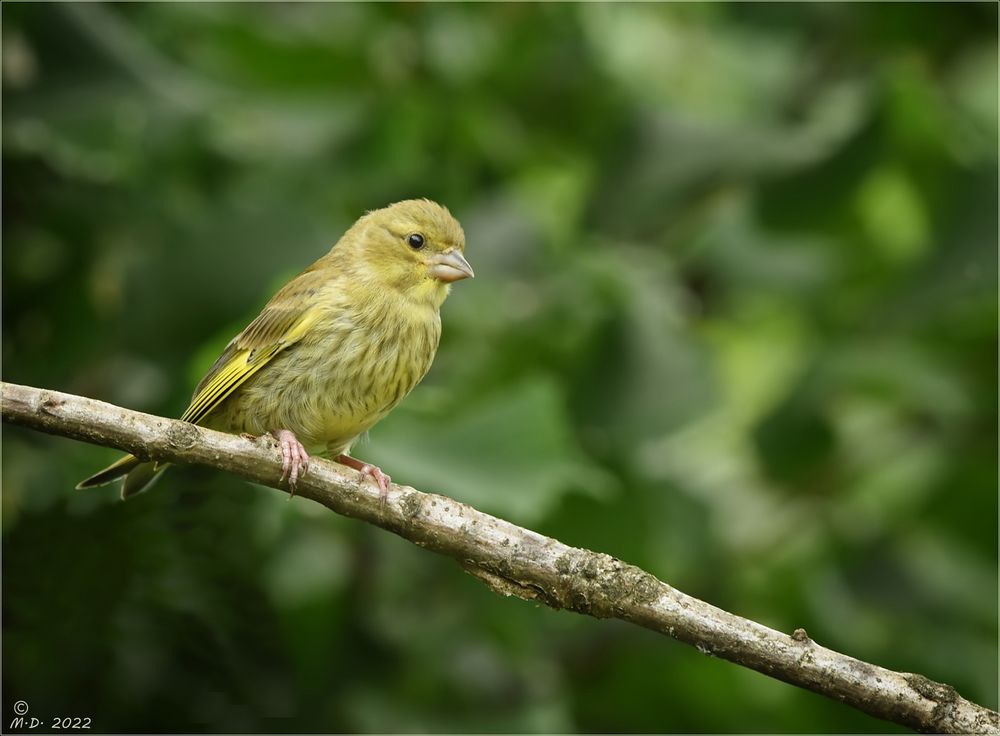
335	349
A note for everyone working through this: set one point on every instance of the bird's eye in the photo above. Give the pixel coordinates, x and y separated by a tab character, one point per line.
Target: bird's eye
415	241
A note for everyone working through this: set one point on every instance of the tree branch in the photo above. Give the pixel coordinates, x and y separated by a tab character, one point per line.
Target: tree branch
511	560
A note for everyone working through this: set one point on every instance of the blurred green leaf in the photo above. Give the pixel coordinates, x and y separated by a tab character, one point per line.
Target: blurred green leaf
511	455
734	321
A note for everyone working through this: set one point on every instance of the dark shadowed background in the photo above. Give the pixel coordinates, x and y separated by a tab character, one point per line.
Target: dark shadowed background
734	320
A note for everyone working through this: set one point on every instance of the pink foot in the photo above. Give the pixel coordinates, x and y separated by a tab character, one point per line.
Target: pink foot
374	471
294	458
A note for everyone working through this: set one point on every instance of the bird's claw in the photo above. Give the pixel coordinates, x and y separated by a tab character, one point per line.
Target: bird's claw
294	458
373	471
380	477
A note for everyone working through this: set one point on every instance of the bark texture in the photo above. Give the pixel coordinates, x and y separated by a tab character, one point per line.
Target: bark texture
512	560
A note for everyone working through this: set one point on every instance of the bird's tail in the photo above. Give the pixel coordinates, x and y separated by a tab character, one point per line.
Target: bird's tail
139	475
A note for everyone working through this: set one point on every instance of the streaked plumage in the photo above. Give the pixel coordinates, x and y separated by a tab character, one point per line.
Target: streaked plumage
337	347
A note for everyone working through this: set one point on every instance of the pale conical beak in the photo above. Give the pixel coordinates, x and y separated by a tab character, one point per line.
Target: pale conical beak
450	266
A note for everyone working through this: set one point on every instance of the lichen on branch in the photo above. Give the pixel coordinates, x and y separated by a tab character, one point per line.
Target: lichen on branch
514	561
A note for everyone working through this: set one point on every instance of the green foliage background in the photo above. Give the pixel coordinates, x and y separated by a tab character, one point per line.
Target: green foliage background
734	321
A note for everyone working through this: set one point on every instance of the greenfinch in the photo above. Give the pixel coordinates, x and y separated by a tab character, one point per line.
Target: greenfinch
335	349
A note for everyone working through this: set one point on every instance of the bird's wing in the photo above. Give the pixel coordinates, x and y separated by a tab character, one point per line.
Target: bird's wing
282	323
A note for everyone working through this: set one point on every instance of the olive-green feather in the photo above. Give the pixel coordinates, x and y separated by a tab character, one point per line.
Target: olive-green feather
340	345
122	466
276	328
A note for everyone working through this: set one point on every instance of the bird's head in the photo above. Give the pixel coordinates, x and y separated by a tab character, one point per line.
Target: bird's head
414	246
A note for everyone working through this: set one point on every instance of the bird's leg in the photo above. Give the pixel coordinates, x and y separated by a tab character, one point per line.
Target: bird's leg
294	458
374	471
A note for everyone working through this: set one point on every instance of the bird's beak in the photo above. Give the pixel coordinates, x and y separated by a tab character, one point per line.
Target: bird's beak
450	266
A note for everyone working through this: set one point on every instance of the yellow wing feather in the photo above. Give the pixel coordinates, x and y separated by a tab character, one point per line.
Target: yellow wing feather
239	362
282	323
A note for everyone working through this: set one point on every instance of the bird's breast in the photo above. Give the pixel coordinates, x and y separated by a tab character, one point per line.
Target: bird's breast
347	374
